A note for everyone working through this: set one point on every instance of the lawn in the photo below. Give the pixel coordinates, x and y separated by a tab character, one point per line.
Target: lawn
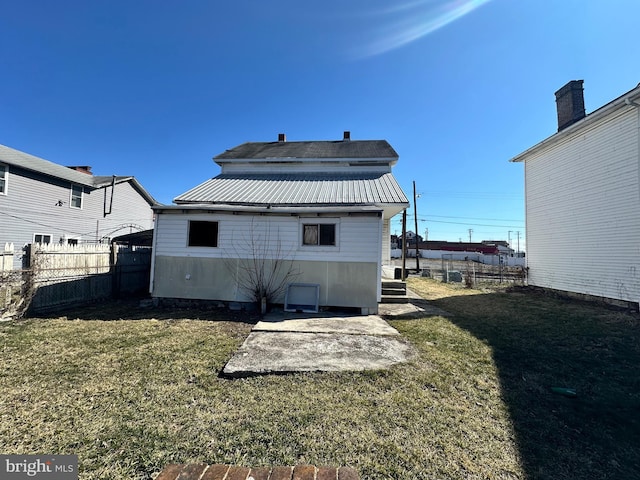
129	390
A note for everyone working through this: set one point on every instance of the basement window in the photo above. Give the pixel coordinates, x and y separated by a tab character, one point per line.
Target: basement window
323	234
203	234
41	238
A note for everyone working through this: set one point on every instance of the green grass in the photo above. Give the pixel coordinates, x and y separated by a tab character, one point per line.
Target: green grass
130	396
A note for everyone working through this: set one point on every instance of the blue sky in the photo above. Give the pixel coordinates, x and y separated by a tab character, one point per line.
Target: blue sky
156	89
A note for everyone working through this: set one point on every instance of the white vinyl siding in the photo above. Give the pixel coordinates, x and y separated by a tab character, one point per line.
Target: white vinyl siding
39	204
239	235
386	241
583	210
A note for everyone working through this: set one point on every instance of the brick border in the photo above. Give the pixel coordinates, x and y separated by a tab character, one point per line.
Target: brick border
202	471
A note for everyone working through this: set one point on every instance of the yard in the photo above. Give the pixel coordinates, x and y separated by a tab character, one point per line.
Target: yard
130	390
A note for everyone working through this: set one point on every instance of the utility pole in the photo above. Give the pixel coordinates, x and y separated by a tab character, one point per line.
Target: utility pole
426	234
509	242
470	232
518	251
415	214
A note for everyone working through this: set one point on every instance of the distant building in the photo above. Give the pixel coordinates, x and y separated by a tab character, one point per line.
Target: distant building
43	202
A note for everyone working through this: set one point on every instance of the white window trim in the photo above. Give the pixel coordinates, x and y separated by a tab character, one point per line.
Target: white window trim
42	235
318	220
6	178
81	196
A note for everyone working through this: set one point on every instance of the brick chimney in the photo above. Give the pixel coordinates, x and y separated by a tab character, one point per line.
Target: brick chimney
570	104
347	136
282	137
82	169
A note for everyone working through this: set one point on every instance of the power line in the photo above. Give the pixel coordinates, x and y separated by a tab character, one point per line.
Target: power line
472	224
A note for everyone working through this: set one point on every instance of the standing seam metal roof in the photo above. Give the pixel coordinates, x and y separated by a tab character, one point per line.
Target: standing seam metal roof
297	189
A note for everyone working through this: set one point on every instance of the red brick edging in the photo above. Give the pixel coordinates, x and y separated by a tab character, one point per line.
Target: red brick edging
202	471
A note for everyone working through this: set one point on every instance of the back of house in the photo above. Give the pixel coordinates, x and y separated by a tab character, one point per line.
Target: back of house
312	213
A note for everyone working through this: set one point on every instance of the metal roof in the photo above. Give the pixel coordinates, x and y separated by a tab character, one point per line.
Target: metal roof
311	149
264	209
297	190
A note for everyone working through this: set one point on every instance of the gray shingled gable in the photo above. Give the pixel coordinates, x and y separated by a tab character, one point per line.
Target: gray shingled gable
311	149
13	157
26	161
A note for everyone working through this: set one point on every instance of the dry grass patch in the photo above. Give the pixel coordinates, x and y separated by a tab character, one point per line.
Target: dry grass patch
131	396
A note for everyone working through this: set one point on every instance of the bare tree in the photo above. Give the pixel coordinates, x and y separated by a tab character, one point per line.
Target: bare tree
265	269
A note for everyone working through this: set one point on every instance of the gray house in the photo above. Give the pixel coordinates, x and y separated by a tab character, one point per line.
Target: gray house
43	202
322	207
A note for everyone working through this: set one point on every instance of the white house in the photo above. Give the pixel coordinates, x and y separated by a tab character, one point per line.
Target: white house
44	202
321	208
582	197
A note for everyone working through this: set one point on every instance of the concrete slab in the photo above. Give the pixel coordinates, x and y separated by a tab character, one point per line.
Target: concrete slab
314	323
285	352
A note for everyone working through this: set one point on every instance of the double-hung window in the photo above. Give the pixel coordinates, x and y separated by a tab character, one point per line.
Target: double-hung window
4	177
76	196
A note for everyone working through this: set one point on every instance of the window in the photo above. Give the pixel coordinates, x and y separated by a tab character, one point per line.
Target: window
203	234
319	234
4	174
76	196
41	238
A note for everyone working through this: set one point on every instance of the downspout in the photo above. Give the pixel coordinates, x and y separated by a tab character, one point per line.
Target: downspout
104	206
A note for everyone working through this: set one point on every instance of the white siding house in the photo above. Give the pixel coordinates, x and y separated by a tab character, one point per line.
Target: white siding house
582	193
43	202
320	207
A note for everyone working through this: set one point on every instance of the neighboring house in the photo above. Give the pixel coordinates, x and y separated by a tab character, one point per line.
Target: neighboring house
43	202
323	206
582	198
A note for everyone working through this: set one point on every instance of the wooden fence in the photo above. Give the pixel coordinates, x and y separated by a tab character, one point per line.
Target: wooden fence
6	257
63	275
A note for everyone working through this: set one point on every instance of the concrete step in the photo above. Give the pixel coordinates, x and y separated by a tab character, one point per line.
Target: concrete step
394	284
394	299
394	291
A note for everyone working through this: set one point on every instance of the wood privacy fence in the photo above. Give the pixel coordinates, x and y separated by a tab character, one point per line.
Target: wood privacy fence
62	275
